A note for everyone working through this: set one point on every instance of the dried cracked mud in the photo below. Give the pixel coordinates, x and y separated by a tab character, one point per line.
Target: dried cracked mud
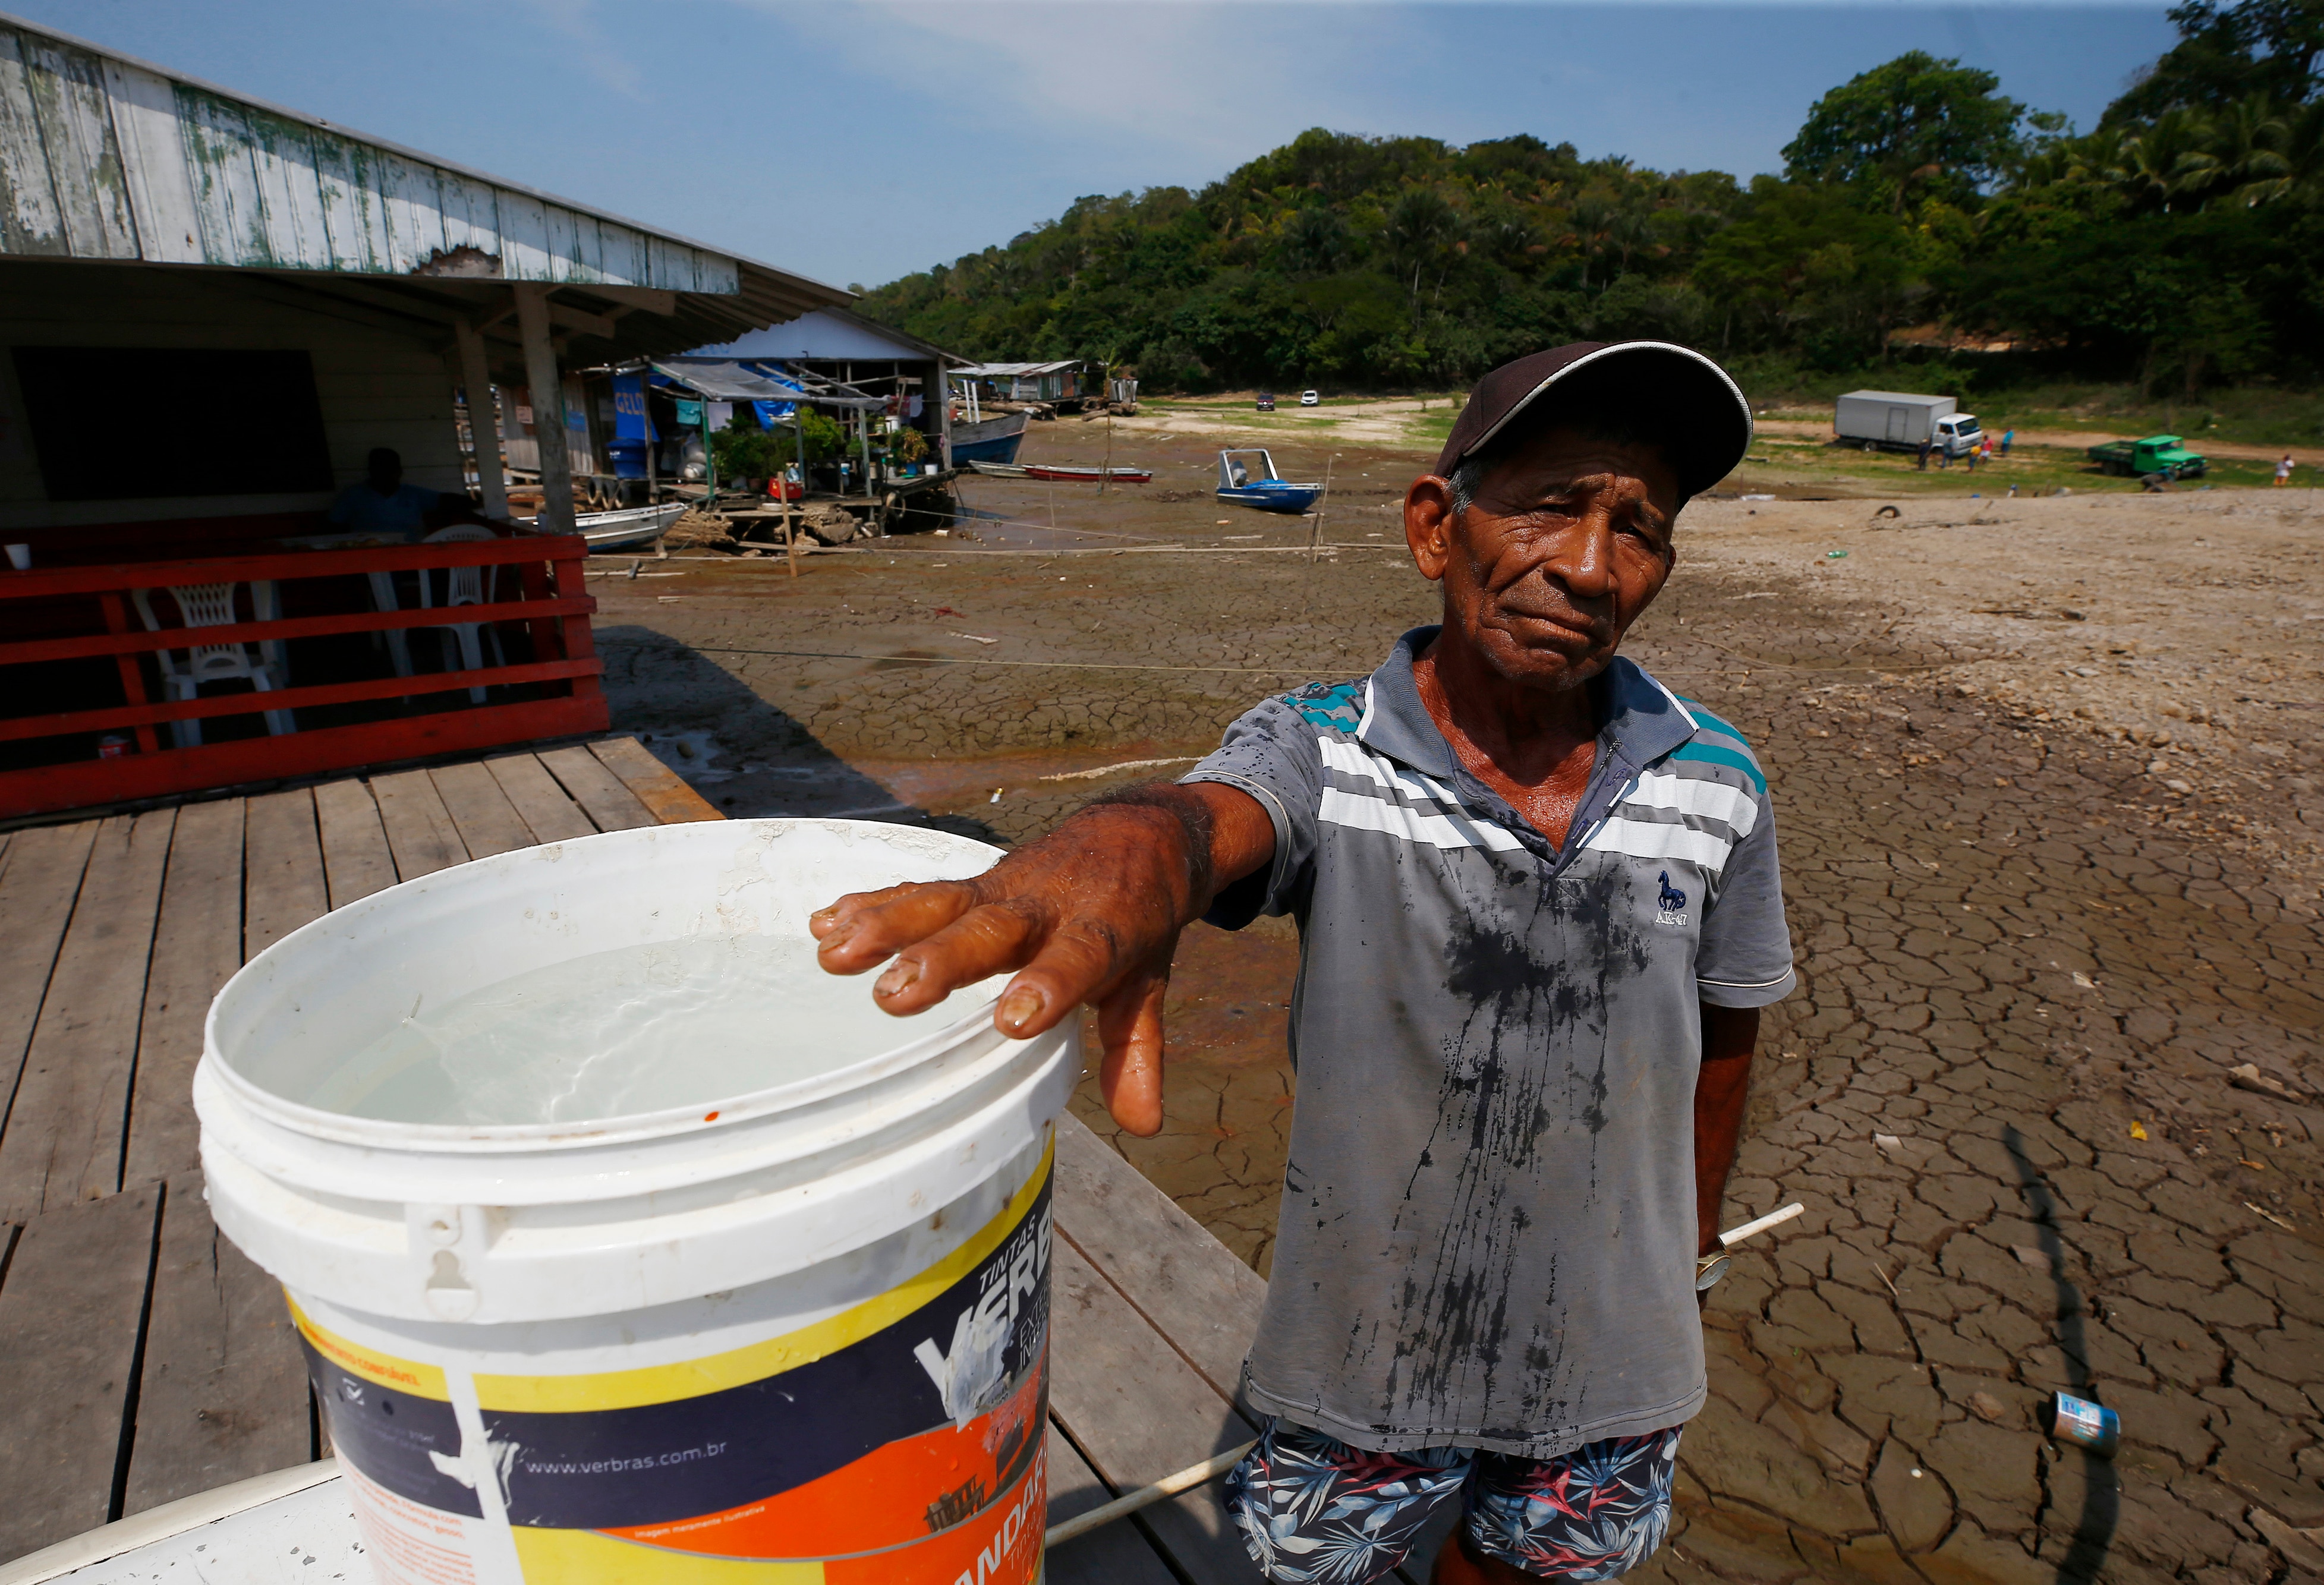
2052	839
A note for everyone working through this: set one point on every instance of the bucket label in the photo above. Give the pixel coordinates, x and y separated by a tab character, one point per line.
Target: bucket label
390	1418
898	1442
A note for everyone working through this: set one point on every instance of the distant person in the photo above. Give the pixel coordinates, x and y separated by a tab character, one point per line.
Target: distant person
1924	457
2007	437
384	504
1987	447
2283	471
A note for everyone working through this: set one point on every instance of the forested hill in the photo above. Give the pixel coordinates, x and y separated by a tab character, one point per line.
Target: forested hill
2182	240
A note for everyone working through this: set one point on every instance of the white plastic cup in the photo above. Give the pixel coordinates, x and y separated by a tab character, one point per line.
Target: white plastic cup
804	1325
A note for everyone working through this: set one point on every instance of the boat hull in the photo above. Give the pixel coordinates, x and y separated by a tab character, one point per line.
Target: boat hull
1285	498
637	525
993	440
1071	475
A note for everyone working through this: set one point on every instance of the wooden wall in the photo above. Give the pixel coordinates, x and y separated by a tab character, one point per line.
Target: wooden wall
378	386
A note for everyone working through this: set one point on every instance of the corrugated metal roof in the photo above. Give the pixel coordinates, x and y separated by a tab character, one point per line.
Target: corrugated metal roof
991	370
104	157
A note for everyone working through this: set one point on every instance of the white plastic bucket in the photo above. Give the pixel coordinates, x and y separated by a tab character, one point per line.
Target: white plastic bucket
800	1335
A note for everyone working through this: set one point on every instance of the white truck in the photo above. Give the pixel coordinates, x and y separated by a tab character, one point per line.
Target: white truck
1898	420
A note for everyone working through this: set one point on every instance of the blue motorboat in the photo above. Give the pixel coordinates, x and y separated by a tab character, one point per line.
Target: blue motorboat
988	440
1248	478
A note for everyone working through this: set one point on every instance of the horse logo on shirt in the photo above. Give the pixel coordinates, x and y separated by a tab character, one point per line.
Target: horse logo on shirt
1670	902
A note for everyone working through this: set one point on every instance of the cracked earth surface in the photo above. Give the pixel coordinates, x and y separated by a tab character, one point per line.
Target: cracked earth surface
2047	795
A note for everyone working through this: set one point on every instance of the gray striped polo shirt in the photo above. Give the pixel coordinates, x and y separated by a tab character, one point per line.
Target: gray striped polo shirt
1488	1229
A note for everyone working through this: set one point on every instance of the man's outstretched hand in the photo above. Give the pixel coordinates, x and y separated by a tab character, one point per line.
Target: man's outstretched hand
1091	913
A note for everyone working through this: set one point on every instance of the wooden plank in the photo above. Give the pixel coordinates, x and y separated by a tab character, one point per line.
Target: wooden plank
223	1392
1139	1411
1116	1555
1185	1282
356	862
602	795
197	947
81	783
419	829
282	869
63	1138
544	806
69	1319
487	822
658	787
38	884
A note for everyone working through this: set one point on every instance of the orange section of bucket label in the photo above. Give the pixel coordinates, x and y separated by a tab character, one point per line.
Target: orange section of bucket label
409	1543
903	1496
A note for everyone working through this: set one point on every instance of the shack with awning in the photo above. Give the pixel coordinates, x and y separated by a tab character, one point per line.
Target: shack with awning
214	311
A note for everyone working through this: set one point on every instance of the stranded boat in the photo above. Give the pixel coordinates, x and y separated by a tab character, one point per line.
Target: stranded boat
1243	482
1059	473
989	439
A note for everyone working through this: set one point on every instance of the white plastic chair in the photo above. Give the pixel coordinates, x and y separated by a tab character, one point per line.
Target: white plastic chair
383	598
464	586
212	605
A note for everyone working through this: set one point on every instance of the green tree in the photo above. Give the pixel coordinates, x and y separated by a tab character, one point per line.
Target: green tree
2226	53
1915	123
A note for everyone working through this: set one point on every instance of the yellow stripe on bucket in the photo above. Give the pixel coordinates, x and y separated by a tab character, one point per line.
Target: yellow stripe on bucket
425	1381
604	1560
663	1384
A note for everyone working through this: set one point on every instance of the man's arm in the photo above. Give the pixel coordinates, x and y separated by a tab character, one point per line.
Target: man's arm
1729	1036
1091	912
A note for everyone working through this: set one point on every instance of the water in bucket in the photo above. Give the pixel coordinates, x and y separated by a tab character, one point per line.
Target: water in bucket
617	1034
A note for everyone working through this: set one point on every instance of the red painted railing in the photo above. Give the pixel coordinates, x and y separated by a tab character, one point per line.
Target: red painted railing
552	606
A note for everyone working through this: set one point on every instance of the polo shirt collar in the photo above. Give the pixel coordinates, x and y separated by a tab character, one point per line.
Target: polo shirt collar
1640	719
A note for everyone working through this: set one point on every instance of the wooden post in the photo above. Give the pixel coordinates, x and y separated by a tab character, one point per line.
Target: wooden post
1315	535
547	410
477	382
1105	475
653	439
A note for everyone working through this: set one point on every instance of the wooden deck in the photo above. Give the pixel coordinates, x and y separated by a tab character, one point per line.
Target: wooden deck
146	1360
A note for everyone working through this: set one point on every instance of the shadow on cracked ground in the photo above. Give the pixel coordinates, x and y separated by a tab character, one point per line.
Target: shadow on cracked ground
2049	817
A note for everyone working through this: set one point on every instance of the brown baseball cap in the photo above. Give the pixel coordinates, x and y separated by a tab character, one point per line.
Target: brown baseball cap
1672	391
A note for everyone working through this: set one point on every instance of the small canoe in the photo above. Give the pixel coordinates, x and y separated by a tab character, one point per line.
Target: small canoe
1073	475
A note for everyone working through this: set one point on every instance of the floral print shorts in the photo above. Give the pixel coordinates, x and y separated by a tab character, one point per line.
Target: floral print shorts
1315	1511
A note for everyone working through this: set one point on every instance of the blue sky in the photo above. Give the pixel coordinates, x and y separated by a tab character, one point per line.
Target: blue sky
855	142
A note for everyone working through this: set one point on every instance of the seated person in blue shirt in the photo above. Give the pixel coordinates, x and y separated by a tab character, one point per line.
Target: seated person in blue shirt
385	505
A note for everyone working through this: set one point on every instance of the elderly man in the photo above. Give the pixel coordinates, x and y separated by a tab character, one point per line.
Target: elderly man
1539	910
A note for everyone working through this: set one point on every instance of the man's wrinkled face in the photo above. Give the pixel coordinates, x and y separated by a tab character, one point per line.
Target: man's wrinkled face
1566	541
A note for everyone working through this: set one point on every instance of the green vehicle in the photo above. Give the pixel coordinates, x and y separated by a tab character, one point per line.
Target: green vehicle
2157	454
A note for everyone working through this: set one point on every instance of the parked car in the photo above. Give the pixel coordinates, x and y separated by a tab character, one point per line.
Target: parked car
2157	454
1267	402
1310	398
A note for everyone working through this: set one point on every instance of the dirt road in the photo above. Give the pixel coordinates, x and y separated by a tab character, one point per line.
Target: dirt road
2077	440
2047	780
